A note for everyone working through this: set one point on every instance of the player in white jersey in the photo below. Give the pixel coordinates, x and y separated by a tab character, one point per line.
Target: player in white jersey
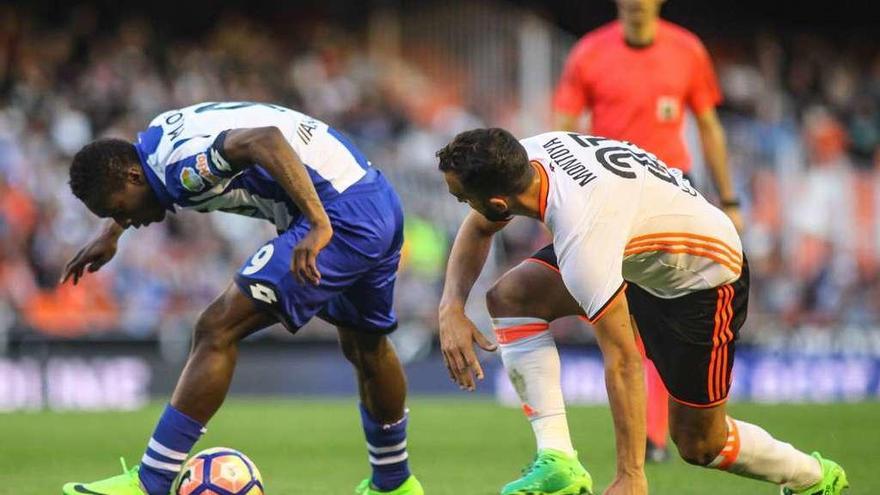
340	231
640	252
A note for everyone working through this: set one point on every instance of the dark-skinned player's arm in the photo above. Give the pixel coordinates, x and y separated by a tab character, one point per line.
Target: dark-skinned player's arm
268	148
625	383
457	332
95	254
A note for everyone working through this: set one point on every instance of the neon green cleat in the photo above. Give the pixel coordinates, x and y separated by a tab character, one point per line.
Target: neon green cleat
409	487
552	473
126	483
833	480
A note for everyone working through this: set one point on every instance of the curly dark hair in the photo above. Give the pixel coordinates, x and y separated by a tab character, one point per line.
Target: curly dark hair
488	162
98	169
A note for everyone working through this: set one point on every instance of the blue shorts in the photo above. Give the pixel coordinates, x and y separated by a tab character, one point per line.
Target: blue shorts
358	267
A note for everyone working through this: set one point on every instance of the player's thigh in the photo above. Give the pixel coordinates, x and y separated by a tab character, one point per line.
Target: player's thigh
367	306
371	227
231	317
533	288
267	281
692	339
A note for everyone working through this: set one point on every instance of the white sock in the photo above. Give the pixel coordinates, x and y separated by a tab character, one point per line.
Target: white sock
532	363
752	452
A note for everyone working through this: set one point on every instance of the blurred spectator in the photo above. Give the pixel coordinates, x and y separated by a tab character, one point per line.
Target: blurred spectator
803	118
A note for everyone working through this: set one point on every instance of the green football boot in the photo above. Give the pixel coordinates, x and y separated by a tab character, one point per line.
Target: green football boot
126	483
833	480
409	487
552	473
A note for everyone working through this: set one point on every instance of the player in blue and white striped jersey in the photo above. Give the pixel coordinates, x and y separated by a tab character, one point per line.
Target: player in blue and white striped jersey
339	228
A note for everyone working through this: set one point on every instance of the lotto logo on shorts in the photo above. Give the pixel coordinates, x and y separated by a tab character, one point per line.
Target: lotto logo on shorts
263	293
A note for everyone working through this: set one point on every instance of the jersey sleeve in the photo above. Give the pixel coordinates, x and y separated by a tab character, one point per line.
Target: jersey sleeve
571	96
703	92
196	166
591	259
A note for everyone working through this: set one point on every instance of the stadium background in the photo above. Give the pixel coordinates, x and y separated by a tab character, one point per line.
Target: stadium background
801	112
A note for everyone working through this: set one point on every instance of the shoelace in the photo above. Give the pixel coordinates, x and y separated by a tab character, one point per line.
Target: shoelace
538	462
528	467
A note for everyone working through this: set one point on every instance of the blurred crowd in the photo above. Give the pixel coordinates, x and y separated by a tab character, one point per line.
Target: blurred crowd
803	128
801	115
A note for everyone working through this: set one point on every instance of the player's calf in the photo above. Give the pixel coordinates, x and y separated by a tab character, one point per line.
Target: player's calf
381	380
710	438
384	419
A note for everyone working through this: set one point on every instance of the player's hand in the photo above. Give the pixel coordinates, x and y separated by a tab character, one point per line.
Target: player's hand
457	336
735	216
628	484
304	263
95	254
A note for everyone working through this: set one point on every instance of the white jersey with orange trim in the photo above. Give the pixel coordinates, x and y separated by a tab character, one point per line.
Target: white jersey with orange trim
618	215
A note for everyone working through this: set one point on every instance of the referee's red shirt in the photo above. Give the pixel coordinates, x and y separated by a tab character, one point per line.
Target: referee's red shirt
638	94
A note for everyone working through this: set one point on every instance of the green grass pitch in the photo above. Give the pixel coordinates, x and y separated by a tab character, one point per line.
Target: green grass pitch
457	446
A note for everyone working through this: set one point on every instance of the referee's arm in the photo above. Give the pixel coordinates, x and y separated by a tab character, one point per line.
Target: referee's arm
715	151
565	122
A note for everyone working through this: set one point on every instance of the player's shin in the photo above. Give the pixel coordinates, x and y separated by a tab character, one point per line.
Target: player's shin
751	451
167	449
386	446
532	363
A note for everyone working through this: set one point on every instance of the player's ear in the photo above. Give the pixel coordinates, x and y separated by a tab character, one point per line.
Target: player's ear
135	176
498	205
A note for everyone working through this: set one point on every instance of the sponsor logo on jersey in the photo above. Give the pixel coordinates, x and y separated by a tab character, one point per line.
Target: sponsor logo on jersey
219	162
667	108
191	180
204	169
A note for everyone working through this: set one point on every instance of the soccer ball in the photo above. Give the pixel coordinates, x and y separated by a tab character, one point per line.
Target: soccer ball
219	471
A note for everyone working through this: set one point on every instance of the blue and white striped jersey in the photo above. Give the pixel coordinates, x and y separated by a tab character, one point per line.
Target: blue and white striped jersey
181	153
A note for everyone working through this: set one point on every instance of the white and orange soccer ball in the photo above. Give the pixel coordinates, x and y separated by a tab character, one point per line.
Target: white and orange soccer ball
219	471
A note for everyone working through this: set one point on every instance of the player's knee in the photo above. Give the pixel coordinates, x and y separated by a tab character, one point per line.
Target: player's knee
211	334
363	351
349	348
695	448
372	352
506	298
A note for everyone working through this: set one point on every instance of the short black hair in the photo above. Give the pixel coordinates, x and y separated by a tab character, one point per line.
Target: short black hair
99	168
489	162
